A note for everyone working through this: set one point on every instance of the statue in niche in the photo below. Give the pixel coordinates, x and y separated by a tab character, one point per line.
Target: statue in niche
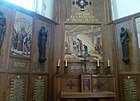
125	48
42	39
2	29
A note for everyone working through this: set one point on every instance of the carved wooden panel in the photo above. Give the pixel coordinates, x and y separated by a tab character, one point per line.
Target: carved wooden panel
18	86
2	87
102	83
7	14
70	84
39	85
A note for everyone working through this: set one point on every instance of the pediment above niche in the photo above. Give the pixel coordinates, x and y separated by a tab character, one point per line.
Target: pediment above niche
87	14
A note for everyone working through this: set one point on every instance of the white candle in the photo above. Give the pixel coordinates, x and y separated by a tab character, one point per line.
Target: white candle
66	63
108	63
98	62
58	63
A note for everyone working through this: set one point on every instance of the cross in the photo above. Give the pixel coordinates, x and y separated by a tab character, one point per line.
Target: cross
81	3
70	84
99	84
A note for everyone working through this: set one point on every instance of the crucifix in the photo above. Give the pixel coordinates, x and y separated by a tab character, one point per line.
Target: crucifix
71	84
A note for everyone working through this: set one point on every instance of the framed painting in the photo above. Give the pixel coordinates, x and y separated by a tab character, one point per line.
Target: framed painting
86	83
22	35
137	27
83	41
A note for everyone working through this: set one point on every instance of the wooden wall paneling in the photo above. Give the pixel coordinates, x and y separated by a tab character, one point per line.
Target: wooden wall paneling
39	87
129	23
57	88
104	83
49	26
18	61
17	87
98	11
124	67
36	66
131	69
3	81
67	87
7	13
115	57
70	84
20	67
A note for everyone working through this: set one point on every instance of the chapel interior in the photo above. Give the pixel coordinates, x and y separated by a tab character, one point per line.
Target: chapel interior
80	50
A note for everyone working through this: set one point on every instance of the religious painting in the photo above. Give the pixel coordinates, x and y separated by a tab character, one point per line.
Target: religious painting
2	29
22	35
83	42
137	24
85	83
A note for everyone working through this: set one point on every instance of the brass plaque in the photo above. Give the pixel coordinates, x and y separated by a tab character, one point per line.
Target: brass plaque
130	90
39	90
17	90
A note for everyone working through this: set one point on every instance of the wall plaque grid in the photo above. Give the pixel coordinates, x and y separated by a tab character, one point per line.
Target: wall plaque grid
39	90
17	90
130	90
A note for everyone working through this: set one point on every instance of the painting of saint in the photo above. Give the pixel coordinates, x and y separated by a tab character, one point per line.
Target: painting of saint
22	35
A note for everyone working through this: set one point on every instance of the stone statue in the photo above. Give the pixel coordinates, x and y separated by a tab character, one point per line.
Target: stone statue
125	47
42	39
2	29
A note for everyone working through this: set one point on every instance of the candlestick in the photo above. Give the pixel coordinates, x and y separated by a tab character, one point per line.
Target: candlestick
108	63
58	63
58	70
66	63
98	63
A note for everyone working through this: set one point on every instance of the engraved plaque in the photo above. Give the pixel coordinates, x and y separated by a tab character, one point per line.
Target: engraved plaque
19	65
130	90
39	90
17	89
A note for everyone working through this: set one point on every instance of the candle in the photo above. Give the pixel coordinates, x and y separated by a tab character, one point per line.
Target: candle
58	63
108	63
66	63
98	63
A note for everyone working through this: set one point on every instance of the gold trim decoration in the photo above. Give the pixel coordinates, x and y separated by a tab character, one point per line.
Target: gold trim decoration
17	90
39	90
130	90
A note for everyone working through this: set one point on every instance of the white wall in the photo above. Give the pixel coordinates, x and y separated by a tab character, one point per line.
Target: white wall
37	6
122	8
49	8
